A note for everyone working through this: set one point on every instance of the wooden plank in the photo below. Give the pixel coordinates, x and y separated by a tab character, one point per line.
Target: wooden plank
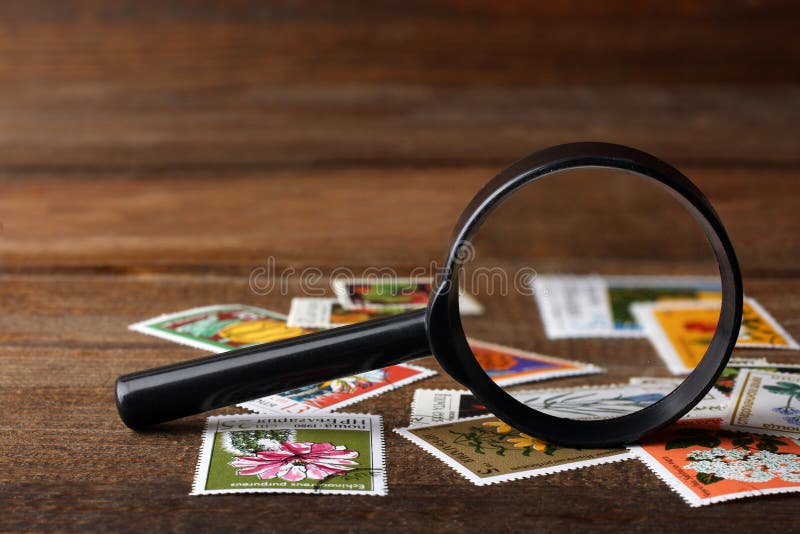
221	130
456	41
153	154
73	465
346	218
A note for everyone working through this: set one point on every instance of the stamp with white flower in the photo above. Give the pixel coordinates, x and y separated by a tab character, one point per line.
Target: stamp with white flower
705	464
331	453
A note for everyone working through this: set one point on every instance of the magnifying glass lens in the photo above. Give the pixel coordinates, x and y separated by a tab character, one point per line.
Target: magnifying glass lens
600	293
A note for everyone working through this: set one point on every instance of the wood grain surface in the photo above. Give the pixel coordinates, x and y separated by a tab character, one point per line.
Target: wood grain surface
152	155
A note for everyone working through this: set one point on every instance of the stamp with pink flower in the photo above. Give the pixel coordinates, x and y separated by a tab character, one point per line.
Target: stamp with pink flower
297	461
328	453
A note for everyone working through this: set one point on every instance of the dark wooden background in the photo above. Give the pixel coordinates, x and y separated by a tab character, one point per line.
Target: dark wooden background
153	153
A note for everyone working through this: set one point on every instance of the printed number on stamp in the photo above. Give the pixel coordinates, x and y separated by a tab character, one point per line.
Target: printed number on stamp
331	453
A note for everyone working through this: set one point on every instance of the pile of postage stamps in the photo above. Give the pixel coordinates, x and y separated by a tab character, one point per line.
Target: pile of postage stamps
741	440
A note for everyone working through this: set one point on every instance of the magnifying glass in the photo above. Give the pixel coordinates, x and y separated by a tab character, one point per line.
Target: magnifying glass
582	252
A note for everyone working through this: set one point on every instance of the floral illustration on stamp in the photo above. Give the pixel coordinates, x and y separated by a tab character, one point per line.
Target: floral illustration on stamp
485	450
295	461
331	453
705	464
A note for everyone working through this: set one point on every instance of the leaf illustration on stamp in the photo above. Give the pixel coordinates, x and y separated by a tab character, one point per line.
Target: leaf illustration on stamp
751	459
481	438
249	442
755	328
590	404
689	437
358	475
769	443
792	391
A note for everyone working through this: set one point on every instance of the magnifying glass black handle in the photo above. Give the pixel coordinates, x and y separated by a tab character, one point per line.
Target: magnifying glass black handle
157	395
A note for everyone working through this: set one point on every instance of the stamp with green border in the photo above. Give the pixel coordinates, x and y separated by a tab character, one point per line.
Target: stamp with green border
330	453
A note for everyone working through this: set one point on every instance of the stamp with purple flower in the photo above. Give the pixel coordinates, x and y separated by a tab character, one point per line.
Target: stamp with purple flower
766	403
329	453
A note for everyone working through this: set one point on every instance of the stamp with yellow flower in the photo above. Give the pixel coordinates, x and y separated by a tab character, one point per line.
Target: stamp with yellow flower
485	450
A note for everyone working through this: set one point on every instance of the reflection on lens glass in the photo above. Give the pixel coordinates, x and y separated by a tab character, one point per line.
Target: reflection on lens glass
599	291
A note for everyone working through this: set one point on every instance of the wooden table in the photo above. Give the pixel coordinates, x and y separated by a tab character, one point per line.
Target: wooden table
138	179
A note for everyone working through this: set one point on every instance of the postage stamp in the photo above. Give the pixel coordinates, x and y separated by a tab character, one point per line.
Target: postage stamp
484	450
761	330
727	378
599	306
681	331
331	453
394	293
431	406
338	393
220	327
435	406
508	366
705	464
765	403
712	406
322	313
224	327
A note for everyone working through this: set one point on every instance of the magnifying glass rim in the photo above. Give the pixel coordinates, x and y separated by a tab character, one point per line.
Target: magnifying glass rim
448	340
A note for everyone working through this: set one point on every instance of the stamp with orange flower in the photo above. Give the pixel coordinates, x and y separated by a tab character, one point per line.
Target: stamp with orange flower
331	453
599	306
508	366
485	450
681	331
